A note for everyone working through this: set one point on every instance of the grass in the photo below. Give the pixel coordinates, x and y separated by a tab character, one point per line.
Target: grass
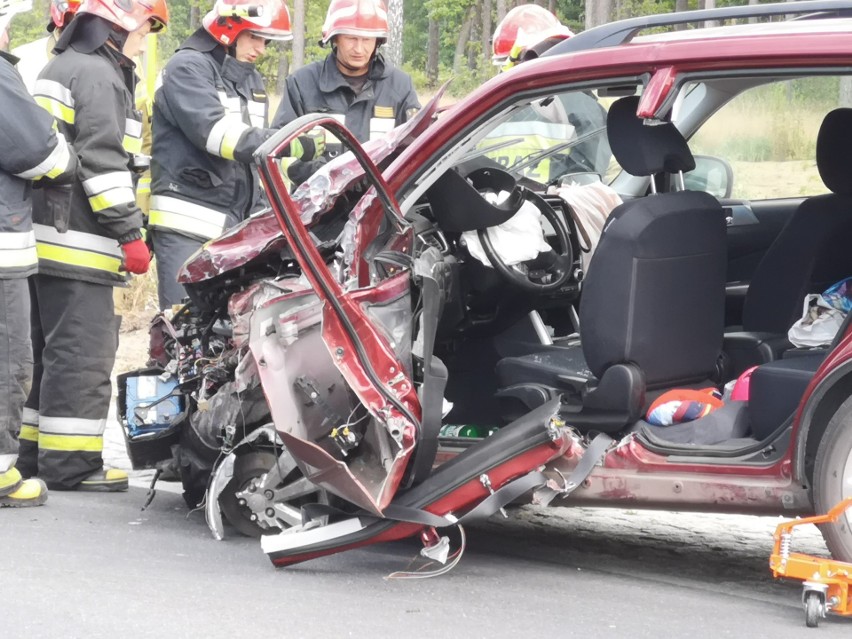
137	304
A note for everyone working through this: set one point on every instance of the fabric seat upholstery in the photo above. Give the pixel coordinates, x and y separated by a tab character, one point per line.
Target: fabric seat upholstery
654	296
812	250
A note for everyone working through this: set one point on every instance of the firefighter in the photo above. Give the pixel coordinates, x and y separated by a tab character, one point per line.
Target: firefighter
61	14
30	149
210	116
526	32
89	239
355	83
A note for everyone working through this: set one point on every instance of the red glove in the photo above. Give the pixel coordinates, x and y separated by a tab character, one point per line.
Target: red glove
137	257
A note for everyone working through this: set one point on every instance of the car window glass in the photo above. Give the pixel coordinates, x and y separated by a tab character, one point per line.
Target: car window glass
768	135
550	139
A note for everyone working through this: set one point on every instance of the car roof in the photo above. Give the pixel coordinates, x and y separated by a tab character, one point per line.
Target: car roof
788	28
617	33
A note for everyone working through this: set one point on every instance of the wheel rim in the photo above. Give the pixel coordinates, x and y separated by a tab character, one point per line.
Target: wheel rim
255	509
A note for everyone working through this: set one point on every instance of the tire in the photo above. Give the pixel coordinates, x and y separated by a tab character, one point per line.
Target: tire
251	465
832	481
813	609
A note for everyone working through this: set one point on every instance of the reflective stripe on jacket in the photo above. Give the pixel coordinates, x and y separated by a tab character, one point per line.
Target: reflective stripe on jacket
386	100
78	229
209	117
31	150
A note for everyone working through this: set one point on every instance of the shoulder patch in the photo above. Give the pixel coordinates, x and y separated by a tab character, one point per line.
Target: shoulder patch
383	112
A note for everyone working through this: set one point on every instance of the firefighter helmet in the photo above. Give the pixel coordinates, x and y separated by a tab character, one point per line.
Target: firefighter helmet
361	18
523	27
61	12
159	16
8	8
127	14
268	19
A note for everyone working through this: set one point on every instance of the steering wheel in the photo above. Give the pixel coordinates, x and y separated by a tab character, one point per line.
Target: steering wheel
549	271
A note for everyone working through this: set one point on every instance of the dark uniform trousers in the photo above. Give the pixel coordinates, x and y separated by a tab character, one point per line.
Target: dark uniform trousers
74	337
16	361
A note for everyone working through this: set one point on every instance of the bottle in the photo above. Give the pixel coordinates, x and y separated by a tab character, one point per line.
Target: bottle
461	430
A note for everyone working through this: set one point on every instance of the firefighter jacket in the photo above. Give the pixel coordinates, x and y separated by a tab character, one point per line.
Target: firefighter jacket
386	100
209	117
31	150
79	231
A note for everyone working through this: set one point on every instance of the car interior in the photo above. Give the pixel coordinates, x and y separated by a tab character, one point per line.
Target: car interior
688	287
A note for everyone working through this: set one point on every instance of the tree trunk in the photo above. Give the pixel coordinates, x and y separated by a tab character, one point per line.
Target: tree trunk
486	31
283	72
500	5
298	36
681	5
395	20
432	54
845	98
598	12
472	53
194	18
710	4
461	43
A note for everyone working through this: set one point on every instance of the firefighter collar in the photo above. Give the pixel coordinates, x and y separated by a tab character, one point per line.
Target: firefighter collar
236	71
9	57
331	79
86	34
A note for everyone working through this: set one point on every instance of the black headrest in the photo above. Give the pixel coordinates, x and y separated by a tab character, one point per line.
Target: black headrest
832	151
645	149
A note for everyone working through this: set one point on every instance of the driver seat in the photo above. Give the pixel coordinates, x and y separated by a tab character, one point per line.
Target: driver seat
652	305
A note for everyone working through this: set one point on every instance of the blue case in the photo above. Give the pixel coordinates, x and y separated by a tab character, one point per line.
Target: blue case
145	409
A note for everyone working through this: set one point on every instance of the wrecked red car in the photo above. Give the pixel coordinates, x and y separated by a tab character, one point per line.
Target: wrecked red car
482	308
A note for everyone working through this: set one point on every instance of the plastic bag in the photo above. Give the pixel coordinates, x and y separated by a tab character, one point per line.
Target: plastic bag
839	295
818	325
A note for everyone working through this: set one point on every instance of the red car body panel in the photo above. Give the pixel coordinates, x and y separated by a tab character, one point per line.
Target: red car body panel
631	473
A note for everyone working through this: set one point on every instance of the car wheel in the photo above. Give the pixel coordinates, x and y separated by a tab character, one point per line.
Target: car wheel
253	514
832	480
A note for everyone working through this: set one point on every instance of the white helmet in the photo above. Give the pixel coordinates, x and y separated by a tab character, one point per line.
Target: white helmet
8	8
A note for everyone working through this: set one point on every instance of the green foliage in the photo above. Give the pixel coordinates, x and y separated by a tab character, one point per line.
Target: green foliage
30	26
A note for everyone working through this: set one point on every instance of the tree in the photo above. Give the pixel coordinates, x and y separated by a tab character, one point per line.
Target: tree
597	12
395	22
298	34
432	62
485	14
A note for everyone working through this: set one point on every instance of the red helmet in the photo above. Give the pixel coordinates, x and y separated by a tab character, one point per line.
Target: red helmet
525	26
159	16
61	12
268	19
127	14
362	18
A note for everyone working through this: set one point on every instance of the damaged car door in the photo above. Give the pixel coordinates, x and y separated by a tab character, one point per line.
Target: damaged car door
334	359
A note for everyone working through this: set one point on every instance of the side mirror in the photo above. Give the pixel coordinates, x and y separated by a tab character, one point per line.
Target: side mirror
712	175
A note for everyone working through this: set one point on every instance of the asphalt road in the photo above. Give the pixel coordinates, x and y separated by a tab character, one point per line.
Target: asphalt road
89	565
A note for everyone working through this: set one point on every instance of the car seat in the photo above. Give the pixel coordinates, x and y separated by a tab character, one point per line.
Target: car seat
652	306
810	253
